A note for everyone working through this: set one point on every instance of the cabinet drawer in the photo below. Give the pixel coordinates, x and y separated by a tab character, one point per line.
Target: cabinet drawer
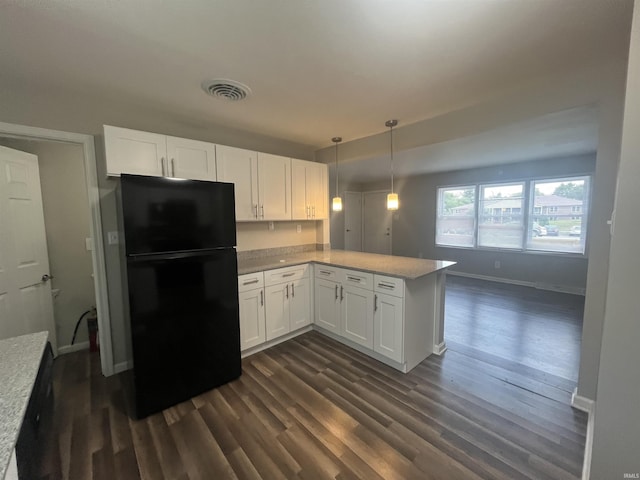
389	285
357	279
250	281
286	274
326	272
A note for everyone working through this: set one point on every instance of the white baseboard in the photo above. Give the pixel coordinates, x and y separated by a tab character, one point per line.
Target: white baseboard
122	367
538	285
440	348
582	403
76	347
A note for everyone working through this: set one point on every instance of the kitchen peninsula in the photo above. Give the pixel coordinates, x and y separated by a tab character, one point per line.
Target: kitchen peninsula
389	307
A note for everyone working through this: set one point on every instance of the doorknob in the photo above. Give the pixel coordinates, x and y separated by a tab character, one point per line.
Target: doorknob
46	277
348	230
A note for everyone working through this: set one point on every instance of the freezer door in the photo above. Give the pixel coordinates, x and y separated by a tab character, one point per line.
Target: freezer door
184	326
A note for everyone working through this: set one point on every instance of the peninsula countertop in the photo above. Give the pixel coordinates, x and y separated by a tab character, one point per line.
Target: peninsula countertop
407	268
19	362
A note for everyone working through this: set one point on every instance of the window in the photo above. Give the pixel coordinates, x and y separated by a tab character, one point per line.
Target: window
500	217
544	215
456	216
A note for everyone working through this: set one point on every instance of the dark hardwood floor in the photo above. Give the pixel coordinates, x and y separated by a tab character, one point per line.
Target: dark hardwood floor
311	408
537	329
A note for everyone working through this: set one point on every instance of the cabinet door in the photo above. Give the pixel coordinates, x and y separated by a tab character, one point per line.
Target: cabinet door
357	315
388	322
299	203
132	151
327	305
274	187
277	310
313	173
240	167
252	319
191	159
300	303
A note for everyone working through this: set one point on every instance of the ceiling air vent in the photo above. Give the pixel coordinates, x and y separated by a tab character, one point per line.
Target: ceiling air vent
226	89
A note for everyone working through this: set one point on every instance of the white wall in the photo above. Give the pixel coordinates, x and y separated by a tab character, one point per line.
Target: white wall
66	217
414	225
616	440
603	87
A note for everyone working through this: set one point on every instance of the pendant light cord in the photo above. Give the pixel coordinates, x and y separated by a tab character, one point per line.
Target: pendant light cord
336	140
391	124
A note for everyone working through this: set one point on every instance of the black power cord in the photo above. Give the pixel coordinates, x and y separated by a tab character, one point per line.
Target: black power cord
75	331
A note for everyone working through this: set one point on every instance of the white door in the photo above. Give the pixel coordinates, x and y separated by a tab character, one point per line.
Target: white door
252	323
388	323
357	315
274	187
240	167
376	223
353	221
277	310
300	303
191	159
327	305
26	305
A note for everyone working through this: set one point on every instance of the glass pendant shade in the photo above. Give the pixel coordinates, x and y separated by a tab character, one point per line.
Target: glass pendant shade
336	204
393	203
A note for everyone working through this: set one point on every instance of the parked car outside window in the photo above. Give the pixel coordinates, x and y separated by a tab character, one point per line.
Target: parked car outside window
538	230
552	230
575	231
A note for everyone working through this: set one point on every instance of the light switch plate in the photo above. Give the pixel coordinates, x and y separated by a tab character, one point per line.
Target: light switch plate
112	238
88	244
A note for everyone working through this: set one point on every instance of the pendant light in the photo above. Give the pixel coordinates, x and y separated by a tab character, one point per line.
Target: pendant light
392	198
336	203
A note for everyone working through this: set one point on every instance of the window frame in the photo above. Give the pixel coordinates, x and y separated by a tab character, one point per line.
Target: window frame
527	213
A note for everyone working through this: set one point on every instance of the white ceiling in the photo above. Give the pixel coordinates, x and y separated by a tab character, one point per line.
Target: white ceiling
559	134
317	68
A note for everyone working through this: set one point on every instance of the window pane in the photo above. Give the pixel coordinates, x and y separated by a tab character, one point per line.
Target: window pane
558	219
455	223
500	216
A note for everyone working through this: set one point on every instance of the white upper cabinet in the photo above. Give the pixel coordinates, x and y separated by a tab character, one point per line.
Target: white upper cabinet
240	167
309	195
144	153
132	151
191	159
274	187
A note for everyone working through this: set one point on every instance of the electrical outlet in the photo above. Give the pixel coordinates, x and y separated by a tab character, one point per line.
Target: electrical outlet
496	264
112	238
299	228
272	226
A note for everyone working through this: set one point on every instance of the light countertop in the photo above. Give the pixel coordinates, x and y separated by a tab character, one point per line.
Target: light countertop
403	267
19	362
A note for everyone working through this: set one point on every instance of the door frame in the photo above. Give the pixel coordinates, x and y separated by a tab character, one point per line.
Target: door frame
95	226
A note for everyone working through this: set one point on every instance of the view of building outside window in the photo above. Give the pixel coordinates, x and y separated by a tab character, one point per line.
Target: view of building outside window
554	220
455	225
559	207
500	216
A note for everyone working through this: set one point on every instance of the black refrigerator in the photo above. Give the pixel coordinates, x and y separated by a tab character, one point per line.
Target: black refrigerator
180	287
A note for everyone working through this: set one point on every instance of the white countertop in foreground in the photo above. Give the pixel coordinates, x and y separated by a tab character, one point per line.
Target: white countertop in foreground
394	266
19	362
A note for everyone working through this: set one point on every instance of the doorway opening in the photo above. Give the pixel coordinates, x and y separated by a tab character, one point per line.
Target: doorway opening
83	145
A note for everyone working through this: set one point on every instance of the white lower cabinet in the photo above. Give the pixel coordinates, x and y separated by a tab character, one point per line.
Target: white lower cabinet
252	310
388	326
357	315
273	303
328	305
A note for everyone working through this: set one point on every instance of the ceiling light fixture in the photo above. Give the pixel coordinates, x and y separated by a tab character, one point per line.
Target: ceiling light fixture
393	202
336	203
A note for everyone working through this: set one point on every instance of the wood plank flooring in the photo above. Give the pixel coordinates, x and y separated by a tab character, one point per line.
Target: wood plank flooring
312	408
538	329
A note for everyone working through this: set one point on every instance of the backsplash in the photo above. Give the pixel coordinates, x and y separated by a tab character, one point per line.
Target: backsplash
290	250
